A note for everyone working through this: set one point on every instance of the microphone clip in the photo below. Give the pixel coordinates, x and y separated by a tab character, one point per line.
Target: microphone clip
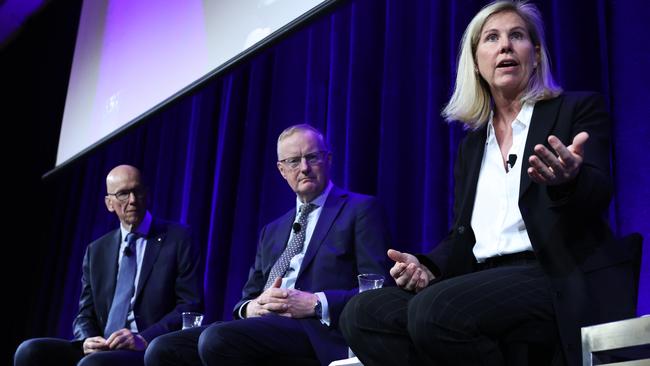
512	159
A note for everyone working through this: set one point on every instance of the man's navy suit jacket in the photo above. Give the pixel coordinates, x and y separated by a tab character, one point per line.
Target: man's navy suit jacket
170	282
351	237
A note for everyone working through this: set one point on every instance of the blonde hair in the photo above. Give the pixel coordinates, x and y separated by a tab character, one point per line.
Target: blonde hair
471	101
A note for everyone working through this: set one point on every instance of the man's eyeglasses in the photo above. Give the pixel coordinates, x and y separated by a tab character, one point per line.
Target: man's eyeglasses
124	195
314	158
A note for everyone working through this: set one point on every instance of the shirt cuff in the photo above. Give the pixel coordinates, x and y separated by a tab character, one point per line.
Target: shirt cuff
241	308
325	319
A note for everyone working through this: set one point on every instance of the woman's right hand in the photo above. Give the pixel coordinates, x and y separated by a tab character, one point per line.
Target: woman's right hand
408	272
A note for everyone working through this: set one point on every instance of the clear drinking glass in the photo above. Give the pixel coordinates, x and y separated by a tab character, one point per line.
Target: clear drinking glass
370	281
191	319
367	281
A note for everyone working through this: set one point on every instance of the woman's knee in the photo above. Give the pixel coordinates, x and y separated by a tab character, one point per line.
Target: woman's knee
348	317
434	314
362	311
376	311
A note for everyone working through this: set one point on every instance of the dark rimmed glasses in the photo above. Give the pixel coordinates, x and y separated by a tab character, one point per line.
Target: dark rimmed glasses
315	158
125	194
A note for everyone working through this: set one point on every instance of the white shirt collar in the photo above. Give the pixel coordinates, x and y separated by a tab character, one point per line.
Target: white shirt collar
318	201
523	117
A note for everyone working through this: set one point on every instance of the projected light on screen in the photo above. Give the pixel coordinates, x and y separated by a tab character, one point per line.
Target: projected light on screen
132	55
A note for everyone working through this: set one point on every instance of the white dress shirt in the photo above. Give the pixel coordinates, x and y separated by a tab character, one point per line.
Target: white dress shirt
496	220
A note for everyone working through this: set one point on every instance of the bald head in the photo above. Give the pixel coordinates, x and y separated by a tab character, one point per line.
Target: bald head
120	174
125	195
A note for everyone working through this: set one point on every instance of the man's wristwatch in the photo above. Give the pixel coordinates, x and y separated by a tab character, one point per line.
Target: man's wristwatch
318	310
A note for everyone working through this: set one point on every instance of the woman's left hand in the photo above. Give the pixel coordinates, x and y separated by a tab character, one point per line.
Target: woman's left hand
562	167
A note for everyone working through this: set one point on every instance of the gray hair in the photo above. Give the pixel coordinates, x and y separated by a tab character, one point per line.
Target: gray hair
471	101
303	127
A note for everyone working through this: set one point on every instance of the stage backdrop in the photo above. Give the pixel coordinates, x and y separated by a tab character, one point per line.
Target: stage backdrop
374	76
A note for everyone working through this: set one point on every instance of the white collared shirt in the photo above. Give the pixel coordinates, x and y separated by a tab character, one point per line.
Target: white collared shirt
141	246
496	219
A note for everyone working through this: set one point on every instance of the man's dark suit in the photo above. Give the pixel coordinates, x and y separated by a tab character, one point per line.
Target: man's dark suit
565	224
170	282
350	237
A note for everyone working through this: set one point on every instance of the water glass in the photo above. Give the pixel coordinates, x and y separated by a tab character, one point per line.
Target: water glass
370	281
191	319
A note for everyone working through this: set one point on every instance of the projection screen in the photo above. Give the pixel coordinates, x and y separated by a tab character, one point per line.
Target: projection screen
132	57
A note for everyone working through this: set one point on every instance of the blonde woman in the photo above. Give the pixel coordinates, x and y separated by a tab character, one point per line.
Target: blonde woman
532	183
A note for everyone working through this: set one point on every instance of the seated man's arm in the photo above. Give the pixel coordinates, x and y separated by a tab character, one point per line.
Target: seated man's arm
254	285
85	323
371	241
85	326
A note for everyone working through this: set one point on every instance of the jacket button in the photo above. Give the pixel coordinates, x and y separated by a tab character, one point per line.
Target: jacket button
461	229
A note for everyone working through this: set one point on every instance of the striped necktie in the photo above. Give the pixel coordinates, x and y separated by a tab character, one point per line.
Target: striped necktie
294	247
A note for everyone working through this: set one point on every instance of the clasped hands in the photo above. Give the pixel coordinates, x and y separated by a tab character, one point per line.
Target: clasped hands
120	339
551	169
284	302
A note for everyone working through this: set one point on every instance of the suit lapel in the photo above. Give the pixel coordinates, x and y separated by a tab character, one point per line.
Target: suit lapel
541	123
155	240
475	149
279	240
334	203
109	254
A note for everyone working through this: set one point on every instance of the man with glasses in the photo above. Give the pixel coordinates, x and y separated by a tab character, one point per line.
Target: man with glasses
305	271
136	281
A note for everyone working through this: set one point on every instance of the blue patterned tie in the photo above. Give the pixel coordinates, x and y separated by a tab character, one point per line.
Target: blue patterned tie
123	289
294	247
